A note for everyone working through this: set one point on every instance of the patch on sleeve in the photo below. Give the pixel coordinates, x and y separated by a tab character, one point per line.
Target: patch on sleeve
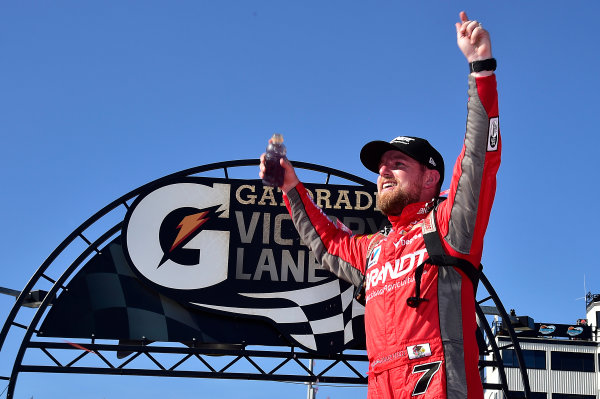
418	351
493	134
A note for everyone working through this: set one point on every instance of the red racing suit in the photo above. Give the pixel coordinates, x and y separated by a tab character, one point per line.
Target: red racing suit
430	350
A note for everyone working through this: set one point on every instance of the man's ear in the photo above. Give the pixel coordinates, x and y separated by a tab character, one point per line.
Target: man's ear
431	178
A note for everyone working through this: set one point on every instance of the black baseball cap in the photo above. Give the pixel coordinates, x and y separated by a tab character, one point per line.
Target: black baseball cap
417	148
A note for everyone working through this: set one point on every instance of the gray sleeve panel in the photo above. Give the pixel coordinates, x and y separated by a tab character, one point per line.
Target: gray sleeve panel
464	209
342	269
311	238
450	313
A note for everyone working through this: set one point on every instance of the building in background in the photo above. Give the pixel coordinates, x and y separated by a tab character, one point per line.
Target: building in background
563	361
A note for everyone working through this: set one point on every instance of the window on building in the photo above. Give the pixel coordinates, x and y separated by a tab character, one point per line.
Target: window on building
533	359
571	361
521	395
571	396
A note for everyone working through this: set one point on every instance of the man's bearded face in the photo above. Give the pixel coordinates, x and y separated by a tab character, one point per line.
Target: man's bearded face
399	183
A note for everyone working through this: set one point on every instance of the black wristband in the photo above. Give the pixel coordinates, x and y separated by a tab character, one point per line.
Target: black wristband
483	65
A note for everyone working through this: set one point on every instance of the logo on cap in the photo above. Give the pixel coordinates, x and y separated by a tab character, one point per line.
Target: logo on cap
403	140
431	161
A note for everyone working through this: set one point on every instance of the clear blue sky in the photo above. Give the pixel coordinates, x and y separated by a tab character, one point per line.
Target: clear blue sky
98	98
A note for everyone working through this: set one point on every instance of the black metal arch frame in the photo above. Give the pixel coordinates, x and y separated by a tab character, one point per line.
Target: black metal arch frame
275	368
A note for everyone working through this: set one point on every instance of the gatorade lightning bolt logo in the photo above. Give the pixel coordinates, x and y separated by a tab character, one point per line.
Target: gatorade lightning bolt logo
188	225
180	227
177	235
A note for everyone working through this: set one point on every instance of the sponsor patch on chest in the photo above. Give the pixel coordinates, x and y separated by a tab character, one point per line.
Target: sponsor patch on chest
374	257
428	224
404	242
394	269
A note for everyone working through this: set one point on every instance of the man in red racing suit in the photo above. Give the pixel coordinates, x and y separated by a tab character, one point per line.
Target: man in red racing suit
429	350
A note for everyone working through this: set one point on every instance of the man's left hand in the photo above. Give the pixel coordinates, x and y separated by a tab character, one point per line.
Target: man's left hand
472	39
